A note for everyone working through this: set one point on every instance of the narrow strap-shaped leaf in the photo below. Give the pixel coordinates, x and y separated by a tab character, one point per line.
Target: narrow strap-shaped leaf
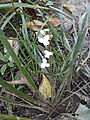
17	61
12	117
20	94
16	4
18	103
13	102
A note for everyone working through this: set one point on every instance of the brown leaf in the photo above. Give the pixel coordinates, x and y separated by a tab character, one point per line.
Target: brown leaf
14	44
54	21
35	25
20	82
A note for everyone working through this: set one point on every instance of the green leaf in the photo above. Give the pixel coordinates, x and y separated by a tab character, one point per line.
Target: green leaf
12	117
3	69
20	87
49	3
13	102
10	64
20	94
16	5
17	61
45	1
2	57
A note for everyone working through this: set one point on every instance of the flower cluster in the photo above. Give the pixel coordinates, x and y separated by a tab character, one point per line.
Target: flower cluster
44	39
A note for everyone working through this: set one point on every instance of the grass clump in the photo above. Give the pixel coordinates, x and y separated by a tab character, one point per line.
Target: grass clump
61	63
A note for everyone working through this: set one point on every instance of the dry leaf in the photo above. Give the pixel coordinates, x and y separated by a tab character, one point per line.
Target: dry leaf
54	21
14	45
37	22
21	80
35	25
30	25
45	87
68	8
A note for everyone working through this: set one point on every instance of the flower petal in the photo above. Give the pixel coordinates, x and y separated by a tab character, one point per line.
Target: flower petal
47	53
40	40
46	37
42	32
42	65
47	56
47	65
46	42
44	60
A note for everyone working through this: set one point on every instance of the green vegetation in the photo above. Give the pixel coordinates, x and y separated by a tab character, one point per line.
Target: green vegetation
67	62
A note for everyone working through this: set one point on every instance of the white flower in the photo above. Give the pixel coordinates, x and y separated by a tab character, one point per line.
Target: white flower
47	53
42	32
45	43
44	63
44	40
40	39
46	37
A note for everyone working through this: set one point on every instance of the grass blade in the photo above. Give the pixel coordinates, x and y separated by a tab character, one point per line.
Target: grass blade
13	102
16	5
17	61
15	91
12	117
